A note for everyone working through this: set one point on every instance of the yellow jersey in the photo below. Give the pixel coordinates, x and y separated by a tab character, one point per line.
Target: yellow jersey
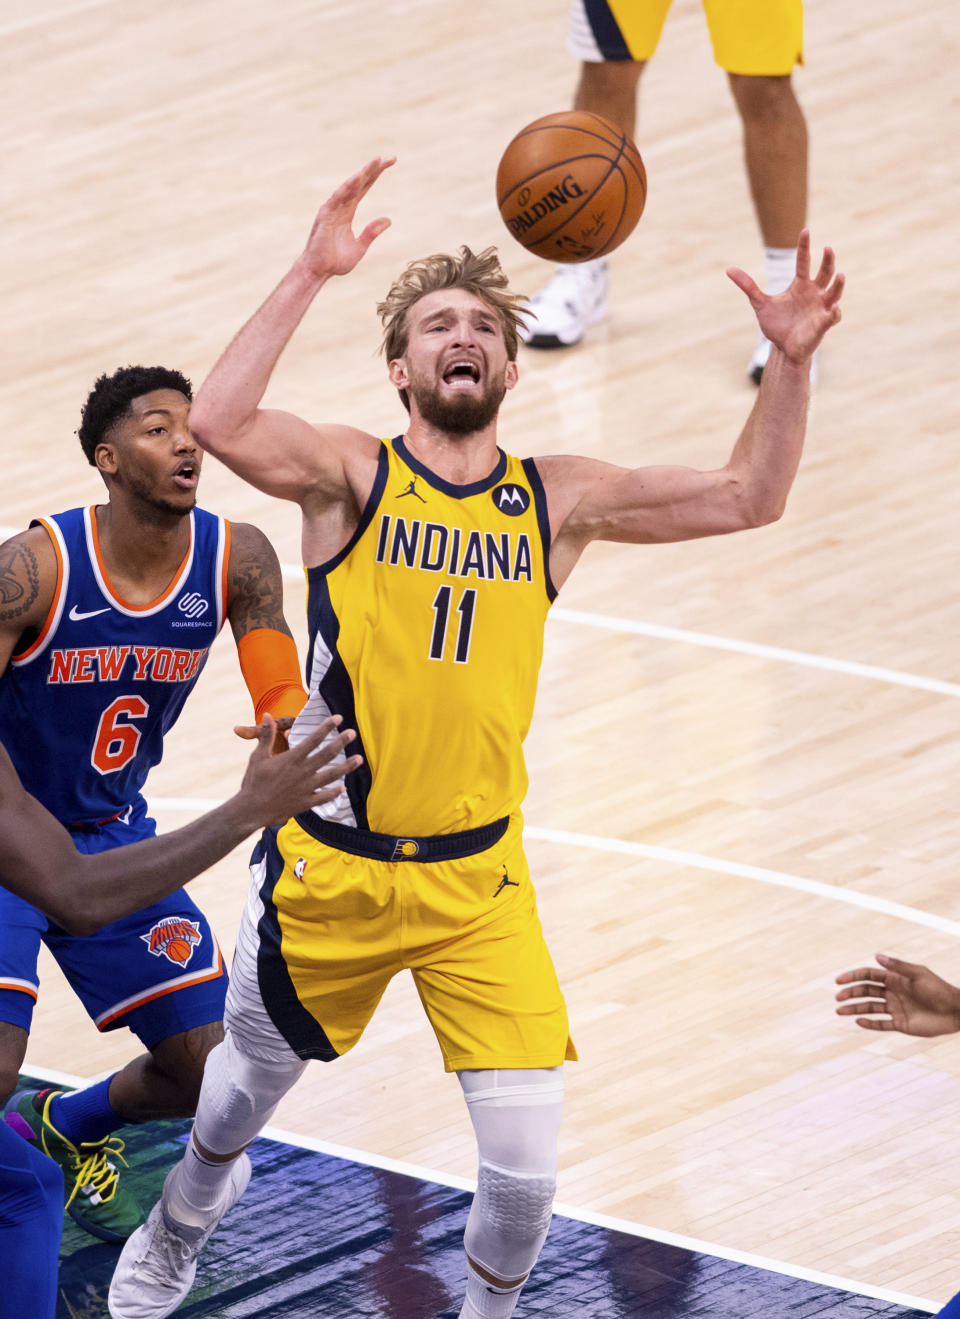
426	635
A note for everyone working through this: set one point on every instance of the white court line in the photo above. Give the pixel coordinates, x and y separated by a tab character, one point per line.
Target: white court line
613	624
292	572
564	1211
673	856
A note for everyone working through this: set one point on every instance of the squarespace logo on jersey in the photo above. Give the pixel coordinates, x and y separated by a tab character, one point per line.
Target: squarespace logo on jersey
193	607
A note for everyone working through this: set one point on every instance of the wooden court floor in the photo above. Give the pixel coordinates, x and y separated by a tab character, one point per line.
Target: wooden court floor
745	754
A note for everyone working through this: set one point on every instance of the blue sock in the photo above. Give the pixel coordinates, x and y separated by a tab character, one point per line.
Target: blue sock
951	1310
84	1115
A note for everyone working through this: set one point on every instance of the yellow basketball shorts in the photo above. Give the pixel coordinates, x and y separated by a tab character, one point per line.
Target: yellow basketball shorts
762	38
339	924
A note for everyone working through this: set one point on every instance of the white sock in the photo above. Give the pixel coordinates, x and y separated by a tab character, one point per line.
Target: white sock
779	267
195	1187
484	1301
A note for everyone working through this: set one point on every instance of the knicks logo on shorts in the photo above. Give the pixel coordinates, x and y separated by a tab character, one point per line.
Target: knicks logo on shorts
174	938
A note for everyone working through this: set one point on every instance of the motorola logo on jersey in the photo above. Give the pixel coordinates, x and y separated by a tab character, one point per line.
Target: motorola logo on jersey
511	499
193	604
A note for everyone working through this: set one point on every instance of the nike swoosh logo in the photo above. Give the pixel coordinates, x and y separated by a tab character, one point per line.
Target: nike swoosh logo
77	617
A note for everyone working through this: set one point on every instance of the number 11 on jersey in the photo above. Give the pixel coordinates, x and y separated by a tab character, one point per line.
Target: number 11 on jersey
441	608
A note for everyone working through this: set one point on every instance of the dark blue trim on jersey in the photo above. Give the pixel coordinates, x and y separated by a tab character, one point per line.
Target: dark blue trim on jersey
606	31
401	847
299	1028
446	487
335	687
543	521
366	517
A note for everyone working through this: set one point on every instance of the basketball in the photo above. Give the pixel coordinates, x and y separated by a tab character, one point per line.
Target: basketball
571	186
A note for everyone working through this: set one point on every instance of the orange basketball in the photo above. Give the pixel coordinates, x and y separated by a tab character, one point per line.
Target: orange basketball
571	186
179	950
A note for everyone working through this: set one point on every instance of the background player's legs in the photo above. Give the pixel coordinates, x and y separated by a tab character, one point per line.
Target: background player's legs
576	297
516	1117
775	154
610	89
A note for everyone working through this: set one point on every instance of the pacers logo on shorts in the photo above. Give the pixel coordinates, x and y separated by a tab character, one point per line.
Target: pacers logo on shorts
405	849
174	938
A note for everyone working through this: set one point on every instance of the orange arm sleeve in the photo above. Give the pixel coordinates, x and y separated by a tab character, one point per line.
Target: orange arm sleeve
271	669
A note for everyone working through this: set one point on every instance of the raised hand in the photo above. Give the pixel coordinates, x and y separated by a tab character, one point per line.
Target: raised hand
910	997
333	248
797	319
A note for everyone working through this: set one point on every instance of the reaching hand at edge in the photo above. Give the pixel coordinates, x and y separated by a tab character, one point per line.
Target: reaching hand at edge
797	319
902	996
333	248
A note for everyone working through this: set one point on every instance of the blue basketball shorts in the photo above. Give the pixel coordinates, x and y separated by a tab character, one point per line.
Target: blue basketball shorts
31	1217
159	972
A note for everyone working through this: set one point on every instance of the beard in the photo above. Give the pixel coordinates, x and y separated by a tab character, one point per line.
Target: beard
459	414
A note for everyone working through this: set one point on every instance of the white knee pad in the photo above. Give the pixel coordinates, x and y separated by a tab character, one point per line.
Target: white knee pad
239	1096
516	1117
509	1220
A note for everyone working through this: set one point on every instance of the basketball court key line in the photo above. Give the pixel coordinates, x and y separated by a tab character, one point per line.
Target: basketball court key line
611	623
853	668
612	1224
673	856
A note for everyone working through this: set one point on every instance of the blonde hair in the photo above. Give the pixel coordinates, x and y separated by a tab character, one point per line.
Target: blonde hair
479	273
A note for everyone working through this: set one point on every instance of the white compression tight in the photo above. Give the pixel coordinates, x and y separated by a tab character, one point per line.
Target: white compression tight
516	1117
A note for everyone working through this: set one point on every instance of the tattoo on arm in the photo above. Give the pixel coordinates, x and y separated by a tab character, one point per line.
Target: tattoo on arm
19	580
255	589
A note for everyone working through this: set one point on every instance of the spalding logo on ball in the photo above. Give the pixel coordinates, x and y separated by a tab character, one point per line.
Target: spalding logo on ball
571	186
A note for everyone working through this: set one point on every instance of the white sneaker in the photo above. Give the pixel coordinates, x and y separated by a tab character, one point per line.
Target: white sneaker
761	355
157	1266
575	298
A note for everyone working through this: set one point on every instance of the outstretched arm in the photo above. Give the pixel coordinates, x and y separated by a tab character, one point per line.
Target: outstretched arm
590	500
268	654
901	996
39	863
279	453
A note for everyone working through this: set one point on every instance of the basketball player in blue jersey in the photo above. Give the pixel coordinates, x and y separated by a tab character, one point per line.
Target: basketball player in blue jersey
434	605
107	614
39	863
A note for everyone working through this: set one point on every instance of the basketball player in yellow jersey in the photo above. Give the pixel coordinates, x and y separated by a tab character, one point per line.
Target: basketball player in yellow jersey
432	560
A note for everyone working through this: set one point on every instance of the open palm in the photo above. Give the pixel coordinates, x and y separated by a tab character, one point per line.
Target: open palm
333	248
797	319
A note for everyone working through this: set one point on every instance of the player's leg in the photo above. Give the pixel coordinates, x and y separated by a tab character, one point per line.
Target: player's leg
613	41
292	921
165	1082
758	43
21	933
245	1078
160	973
490	990
516	1118
31	1217
13	1050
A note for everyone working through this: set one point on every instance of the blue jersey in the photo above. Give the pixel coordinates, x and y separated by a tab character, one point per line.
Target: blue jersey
85	705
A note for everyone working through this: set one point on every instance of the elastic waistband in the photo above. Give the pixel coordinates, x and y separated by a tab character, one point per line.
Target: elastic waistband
396	847
89	825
